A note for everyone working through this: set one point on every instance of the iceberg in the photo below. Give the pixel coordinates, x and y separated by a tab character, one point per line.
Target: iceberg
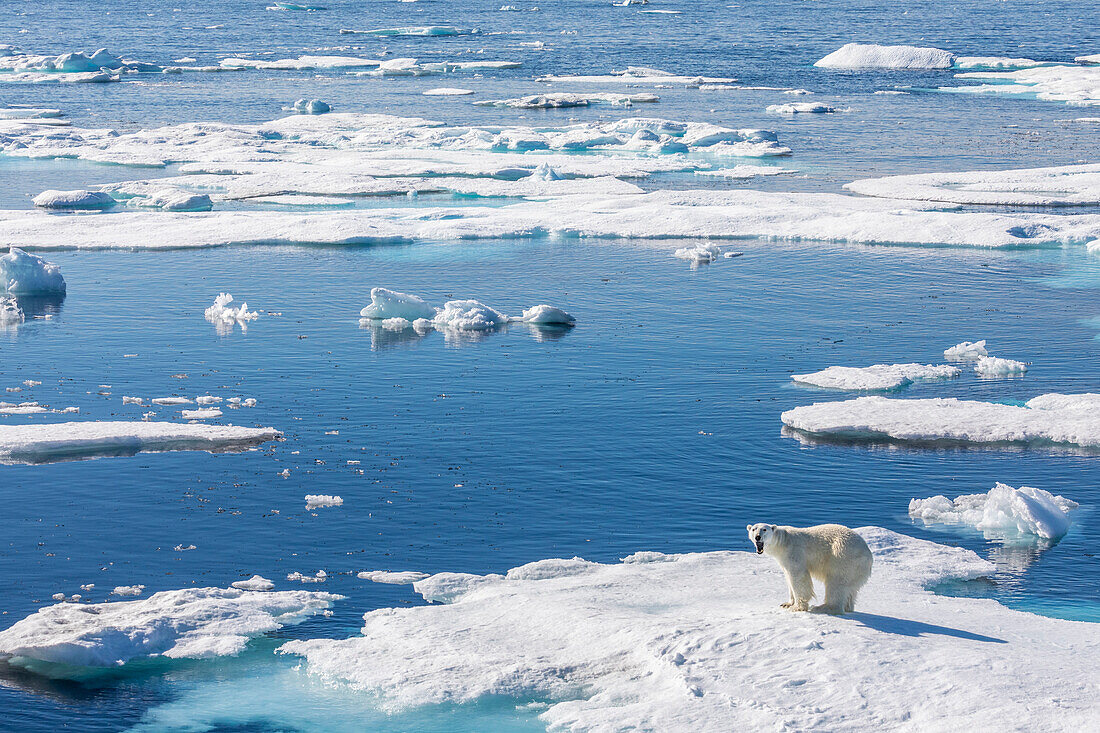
673	642
22	273
391	304
73	440
873	56
73	200
966	351
1003	511
878	377
991	366
1066	185
1047	421
192	623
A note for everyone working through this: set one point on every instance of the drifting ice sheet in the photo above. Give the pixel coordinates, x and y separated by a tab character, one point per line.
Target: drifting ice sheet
190	623
69	440
674	642
1047	420
1003	512
879	377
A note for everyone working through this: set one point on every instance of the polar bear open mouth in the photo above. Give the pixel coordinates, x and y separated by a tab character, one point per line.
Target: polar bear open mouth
759	547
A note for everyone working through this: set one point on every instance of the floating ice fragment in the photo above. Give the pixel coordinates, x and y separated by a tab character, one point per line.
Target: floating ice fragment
73	200
699	254
1073	85
966	351
203	414
133	400
468	315
128	590
792	108
739	172
407	577
10	312
207	400
557	100
447	92
873	56
991	366
1003	510
311	107
170	401
172	199
392	304
22	273
320	577
256	582
416	30
222	312
879	377
187	623
317	501
548	314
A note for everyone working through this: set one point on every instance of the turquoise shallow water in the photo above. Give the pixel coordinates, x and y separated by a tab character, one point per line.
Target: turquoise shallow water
654	424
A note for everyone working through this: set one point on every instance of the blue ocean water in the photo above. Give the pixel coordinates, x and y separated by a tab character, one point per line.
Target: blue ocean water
654	424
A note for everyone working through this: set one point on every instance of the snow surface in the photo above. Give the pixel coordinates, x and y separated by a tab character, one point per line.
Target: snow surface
22	273
873	56
191	623
966	351
991	366
1067	185
69	440
1003	511
1046	421
73	200
698	642
878	377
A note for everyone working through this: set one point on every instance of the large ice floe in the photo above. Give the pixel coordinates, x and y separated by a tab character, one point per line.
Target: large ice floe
1073	85
876	378
874	56
44	443
1067	185
698	642
1004	512
22	273
1047	421
192	623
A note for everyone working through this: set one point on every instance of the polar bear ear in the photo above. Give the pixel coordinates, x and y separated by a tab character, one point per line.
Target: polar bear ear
748	527
773	527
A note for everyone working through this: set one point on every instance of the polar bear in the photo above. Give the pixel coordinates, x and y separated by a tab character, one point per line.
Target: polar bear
834	554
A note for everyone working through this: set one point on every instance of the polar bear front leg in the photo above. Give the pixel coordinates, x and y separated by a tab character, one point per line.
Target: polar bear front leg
802	590
790	590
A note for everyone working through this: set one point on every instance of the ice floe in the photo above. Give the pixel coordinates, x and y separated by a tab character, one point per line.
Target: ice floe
468	315
406	577
302	63
71	440
739	172
171	199
73	200
1002	511
793	108
206	413
447	92
991	366
128	590
557	100
996	62
190	623
256	582
639	76
29	113
1073	85
317	501
674	642
547	314
699	254
1067	185
874	56
311	107
391	304
22	273
1051	420
966	351
878	377
413	30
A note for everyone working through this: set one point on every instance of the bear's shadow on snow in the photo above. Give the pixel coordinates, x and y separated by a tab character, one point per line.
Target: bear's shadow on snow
907	627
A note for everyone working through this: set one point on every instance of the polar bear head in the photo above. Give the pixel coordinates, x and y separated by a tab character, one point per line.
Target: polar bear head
762	535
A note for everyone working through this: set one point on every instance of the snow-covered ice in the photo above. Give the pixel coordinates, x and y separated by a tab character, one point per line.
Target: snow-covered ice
878	377
1051	420
188	623
70	440
699	254
22	273
405	577
172	199
556	100
739	172
447	92
128	590
73	200
1073	85
991	366
691	642
256	582
966	351
417	30
873	56
1003	511
1067	185
468	315
205	413
317	501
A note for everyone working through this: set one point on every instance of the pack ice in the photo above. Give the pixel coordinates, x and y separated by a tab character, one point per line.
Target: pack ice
1002	512
878	377
1073	85
1067	185
73	440
698	642
192	623
22	273
1050	420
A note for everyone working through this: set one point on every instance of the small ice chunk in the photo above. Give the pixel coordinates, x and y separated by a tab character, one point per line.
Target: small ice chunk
317	501
256	582
203	414
391	304
170	401
548	314
128	590
793	108
222	312
966	351
699	254
878	377
10	312
311	107
991	366
133	400
468	315
78	199
407	577
22	273
173	199
1022	511
447	92
395	324
320	577
207	400
874	56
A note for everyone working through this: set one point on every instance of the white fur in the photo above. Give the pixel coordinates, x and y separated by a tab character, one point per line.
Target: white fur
831	553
